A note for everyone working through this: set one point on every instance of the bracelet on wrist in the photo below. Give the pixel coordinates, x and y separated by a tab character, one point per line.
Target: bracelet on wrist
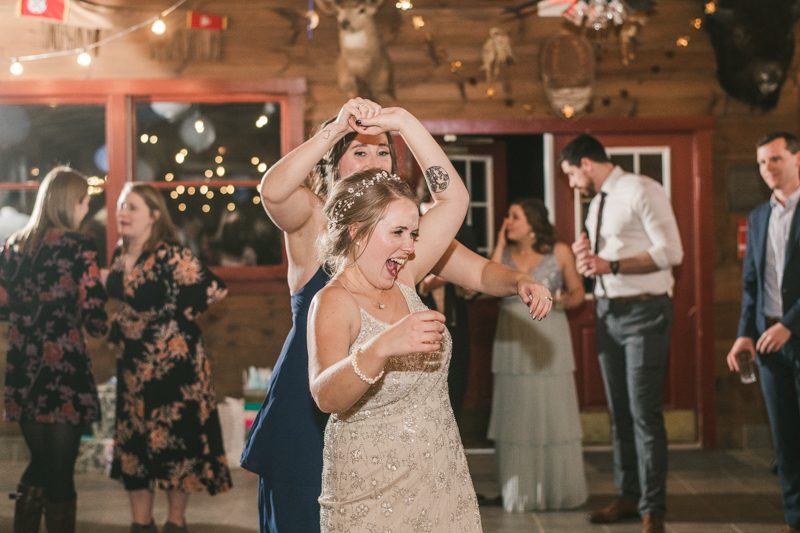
358	372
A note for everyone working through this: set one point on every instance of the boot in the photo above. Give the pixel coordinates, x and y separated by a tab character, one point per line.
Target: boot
28	509
60	517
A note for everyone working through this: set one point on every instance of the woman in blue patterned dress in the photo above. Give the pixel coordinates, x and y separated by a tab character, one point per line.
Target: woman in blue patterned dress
50	293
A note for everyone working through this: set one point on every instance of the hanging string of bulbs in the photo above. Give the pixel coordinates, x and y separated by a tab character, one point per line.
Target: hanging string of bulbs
156	23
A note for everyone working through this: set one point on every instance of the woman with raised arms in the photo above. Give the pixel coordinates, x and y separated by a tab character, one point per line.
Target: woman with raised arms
285	444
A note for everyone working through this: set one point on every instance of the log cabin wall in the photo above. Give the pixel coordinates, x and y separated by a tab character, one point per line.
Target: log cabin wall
268	40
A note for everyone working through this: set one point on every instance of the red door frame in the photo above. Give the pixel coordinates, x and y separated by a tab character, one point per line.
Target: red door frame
702	224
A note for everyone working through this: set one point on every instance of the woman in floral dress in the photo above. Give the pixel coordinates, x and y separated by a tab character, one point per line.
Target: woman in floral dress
168	433
50	292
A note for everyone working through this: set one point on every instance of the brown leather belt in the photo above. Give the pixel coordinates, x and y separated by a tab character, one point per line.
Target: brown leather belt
637	298
771	321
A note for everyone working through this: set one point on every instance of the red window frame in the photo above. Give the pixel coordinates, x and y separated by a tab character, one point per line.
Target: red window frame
120	97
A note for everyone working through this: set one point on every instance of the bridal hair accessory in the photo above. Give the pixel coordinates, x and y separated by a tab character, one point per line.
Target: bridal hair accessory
346	203
359	373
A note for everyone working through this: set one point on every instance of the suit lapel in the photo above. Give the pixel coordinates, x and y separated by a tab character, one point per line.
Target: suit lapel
794	234
761	233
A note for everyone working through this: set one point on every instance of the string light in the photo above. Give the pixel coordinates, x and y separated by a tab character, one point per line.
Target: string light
199	125
404	5
262	121
158	27
83	53
84	59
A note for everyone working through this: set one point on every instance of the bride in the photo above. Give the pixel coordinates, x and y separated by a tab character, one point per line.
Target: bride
378	359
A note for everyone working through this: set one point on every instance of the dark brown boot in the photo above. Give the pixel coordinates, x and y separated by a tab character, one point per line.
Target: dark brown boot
652	523
60	517
617	510
28	509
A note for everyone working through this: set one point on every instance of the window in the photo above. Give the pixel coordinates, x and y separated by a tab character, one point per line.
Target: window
652	161
476	171
208	160
228	132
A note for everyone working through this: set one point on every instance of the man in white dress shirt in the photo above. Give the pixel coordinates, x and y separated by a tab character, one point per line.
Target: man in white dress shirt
633	244
769	326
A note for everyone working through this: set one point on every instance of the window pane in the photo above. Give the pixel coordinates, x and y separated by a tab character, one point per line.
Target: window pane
224	225
15	210
478	191
195	142
36	138
461	167
650	165
479	226
623	160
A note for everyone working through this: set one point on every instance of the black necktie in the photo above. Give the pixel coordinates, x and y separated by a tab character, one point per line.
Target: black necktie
599	221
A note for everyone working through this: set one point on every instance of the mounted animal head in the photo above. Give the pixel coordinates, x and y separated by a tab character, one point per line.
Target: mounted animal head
352	15
754	45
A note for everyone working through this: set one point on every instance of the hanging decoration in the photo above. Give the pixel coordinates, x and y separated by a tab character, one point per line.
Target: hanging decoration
567	66
169	110
600	14
496	52
44	9
41	6
197	132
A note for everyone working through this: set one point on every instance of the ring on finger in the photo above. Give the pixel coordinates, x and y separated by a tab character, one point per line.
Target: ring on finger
360	104
548	298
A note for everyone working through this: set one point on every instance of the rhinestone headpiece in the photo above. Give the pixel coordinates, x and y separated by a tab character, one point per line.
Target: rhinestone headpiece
347	202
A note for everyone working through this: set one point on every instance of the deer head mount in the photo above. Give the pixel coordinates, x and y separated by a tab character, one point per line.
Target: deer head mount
363	68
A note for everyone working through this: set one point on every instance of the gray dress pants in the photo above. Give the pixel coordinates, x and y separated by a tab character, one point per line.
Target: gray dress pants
633	346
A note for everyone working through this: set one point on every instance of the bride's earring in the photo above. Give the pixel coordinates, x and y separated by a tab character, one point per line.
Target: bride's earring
532	236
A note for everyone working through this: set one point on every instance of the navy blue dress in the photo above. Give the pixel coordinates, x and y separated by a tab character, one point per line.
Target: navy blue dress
284	446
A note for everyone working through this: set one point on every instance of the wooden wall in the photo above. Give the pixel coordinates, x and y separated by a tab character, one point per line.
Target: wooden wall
267	39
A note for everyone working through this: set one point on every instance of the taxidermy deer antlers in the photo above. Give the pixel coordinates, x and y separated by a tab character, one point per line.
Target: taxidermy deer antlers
363	68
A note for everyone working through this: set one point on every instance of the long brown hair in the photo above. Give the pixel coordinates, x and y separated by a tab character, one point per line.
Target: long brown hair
536	214
366	206
61	190
326	172
163	229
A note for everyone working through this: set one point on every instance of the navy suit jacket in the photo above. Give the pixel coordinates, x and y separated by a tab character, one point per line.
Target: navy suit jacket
752	322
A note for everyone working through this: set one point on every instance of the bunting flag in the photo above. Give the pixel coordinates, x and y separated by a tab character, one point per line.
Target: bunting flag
203	21
44	9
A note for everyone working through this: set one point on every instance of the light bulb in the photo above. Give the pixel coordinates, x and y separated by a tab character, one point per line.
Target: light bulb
199	126
158	27
262	121
84	59
16	68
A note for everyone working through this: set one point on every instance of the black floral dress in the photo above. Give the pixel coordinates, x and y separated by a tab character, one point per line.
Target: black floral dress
168	432
48	297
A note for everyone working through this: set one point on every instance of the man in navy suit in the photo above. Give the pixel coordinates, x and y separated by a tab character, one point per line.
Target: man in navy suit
769	327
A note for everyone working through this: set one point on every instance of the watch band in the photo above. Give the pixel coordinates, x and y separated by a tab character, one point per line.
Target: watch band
614	266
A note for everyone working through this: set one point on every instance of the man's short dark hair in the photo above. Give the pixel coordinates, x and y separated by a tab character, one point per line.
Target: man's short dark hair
583	146
791	140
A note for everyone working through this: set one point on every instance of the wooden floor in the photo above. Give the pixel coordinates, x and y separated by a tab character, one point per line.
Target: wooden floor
708	492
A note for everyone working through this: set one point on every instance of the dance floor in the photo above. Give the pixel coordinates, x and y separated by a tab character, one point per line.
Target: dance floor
708	492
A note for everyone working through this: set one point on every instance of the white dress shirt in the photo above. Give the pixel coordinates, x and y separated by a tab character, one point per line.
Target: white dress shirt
637	217
780	222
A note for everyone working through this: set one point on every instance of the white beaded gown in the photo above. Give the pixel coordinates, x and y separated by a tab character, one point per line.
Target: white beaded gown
535	421
394	461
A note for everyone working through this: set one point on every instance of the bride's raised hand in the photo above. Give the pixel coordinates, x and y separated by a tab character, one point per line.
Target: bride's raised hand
356	109
389	119
417	332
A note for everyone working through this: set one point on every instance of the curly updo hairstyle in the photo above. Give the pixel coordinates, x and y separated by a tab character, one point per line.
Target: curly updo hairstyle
536	214
352	203
326	172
